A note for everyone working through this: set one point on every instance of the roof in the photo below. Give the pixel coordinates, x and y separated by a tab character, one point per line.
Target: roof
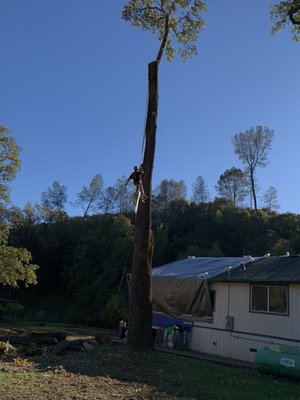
199	267
284	269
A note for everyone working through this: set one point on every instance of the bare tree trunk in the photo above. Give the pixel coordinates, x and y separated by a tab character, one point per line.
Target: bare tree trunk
140	317
253	189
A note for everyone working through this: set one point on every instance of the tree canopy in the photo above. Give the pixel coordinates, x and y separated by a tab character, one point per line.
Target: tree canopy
55	197
176	23
270	199
200	192
286	15
232	185
90	195
15	263
167	191
10	164
16	266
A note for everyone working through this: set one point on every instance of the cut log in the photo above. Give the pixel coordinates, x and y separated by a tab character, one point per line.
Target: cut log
58	335
29	339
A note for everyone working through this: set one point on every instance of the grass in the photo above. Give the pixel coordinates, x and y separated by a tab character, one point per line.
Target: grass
51	327
116	372
197	379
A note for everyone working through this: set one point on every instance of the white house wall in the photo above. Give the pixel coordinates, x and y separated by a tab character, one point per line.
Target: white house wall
250	331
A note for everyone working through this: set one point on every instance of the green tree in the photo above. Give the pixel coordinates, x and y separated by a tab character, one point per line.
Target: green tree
90	195
200	192
282	247
252	149
15	263
10	164
107	201
270	199
176	23
167	191
286	15
55	197
98	266
123	196
232	186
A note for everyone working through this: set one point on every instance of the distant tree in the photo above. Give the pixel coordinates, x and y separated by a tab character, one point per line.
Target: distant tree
89	196
281	247
270	199
200	192
252	149
168	191
14	216
286	14
232	185
30	213
123	196
107	200
55	197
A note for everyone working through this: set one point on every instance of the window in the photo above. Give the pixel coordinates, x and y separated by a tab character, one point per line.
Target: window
269	299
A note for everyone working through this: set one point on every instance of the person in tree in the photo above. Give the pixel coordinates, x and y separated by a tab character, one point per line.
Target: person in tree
136	177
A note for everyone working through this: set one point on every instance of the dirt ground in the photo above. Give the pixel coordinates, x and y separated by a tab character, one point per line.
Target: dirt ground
102	372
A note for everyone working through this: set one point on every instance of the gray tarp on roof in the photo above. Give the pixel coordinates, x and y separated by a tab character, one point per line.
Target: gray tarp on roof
199	267
284	269
180	289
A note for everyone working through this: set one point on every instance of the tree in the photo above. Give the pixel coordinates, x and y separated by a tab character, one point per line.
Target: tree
252	149
89	196
10	164
123	196
177	24
55	197
270	199
168	191
118	198
15	263
30	213
286	14
232	185
200	192
107	201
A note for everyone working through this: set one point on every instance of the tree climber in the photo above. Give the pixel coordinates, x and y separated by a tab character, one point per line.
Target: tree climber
136	177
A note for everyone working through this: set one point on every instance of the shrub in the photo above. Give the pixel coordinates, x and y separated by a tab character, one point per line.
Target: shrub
11	309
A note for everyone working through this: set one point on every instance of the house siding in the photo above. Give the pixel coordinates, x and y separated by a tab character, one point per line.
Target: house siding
250	331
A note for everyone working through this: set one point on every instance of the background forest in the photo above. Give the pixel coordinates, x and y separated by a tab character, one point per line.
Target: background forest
81	262
84	260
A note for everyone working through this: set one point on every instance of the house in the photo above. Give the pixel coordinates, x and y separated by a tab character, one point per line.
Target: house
235	306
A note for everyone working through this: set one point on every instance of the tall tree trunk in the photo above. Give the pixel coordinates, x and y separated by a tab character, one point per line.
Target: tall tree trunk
253	188
140	316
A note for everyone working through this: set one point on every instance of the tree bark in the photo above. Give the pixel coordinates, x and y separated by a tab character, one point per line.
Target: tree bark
253	188
140	316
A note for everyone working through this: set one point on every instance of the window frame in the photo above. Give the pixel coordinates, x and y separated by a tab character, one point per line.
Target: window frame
268	312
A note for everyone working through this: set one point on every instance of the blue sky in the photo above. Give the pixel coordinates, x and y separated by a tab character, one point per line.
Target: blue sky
73	84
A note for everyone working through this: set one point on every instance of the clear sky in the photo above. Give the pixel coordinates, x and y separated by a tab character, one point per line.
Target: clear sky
73	85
